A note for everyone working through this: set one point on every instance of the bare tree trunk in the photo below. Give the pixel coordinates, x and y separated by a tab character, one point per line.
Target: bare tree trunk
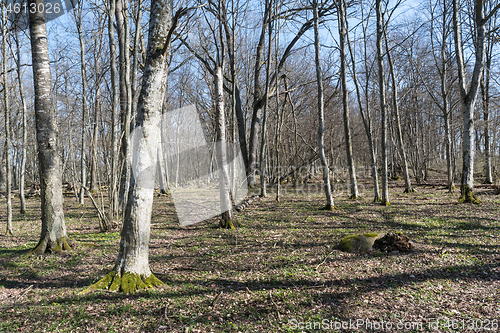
97	111
53	236
383	108
399	133
7	121
468	94
365	112
345	98
321	127
485	89
221	151
131	271
125	97
77	14
112	190
24	122
253	139
263	144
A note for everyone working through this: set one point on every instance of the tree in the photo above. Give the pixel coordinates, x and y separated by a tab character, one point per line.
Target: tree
365	111
77	14
469	92
7	120
342	18
399	133
53	237
112	192
131	271
383	107
321	127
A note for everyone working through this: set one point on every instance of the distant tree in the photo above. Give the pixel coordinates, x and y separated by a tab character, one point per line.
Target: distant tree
7	120
342	19
383	106
321	127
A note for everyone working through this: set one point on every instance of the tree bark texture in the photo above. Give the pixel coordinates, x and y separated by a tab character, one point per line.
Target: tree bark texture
53	236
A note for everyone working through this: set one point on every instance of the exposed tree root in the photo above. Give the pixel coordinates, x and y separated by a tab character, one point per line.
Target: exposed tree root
410	190
377	199
127	283
468	196
47	246
354	197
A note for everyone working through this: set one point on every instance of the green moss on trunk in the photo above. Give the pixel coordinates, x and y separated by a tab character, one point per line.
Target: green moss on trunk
410	190
127	283
385	203
467	196
329	207
223	224
49	247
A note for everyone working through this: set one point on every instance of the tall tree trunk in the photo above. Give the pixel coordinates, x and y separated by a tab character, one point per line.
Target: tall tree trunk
221	151
263	155
253	139
468	94
125	97
7	120
345	98
112	190
95	135
365	112
77	13
53	236
399	133
383	108
24	124
321	126
131	271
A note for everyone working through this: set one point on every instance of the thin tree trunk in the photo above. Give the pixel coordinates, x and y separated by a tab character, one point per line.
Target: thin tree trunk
345	99
321	127
77	13
7	121
263	155
365	112
24	123
53	236
112	190
399	133
383	108
125	97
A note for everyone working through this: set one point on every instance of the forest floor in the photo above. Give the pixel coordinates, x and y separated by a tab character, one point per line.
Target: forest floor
279	271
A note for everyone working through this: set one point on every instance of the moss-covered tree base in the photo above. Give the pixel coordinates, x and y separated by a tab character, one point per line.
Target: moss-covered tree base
46	246
410	190
385	203
223	224
377	200
468	196
328	207
354	197
127	283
